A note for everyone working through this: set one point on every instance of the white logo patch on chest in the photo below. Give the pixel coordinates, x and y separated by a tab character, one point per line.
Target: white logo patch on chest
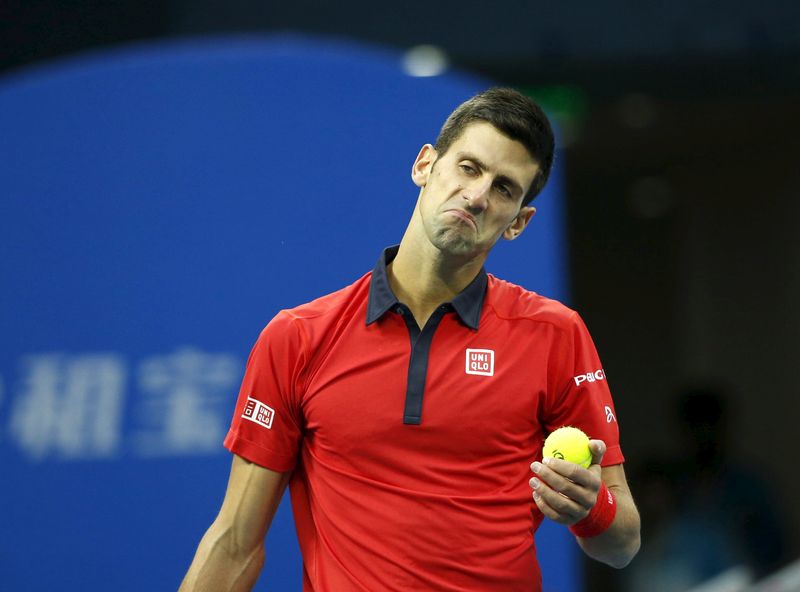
480	362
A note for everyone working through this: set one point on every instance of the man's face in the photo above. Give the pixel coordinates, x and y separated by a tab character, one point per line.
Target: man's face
472	195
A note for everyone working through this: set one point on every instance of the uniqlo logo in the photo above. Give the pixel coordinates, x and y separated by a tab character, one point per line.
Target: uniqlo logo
258	413
480	362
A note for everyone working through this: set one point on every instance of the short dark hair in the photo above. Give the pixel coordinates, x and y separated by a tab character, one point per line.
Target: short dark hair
514	115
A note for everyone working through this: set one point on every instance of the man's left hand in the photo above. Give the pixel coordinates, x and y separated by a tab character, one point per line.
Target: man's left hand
564	491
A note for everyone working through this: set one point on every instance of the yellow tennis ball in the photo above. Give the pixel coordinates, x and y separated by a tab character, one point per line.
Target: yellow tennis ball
570	444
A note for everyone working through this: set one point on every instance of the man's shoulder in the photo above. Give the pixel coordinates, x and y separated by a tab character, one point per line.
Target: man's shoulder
511	301
309	325
349	298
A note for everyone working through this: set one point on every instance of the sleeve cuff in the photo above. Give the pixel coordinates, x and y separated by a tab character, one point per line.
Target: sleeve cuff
613	456
248	450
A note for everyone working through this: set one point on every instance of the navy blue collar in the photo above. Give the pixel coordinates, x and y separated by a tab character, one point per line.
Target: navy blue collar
467	304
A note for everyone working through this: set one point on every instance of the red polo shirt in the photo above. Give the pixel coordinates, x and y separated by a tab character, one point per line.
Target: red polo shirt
411	449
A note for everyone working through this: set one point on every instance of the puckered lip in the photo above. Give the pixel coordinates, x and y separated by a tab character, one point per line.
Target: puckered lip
465	216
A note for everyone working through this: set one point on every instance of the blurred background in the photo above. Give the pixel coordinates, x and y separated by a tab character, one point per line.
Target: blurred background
679	128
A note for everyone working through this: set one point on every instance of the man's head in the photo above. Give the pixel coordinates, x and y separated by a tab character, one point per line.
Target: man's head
513	114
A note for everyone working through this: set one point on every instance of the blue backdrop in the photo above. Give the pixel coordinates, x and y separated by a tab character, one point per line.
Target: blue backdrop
158	204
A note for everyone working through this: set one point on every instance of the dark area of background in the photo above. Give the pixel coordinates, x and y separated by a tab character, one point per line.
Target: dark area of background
681	130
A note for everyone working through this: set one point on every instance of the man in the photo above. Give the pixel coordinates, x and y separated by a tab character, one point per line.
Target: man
408	409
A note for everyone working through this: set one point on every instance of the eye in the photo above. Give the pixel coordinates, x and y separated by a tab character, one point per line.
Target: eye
469	170
504	190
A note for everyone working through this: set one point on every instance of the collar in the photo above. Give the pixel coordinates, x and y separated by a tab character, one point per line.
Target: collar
467	304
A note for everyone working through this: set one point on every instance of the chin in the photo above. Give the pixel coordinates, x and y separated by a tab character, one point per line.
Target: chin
456	245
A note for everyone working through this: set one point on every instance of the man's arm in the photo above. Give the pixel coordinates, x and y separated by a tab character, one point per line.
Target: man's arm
231	553
566	492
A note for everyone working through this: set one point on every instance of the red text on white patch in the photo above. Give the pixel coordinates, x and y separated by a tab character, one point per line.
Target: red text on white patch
258	413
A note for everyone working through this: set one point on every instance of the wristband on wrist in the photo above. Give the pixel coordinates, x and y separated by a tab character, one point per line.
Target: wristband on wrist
600	517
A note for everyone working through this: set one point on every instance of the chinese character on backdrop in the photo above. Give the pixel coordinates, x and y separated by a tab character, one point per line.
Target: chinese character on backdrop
69	406
182	403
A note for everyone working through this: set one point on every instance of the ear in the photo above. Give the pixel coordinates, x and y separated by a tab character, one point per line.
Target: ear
519	223
423	165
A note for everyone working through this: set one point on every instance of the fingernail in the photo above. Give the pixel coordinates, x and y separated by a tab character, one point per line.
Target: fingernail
536	467
546	460
535	482
536	496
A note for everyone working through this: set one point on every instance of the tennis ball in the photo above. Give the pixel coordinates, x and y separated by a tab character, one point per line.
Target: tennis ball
568	443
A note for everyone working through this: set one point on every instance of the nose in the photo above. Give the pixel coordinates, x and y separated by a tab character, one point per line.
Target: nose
477	195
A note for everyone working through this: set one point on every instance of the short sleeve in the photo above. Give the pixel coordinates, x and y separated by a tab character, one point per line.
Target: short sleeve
578	392
267	421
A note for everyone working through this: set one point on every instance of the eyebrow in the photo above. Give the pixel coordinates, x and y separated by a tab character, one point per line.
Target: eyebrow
501	178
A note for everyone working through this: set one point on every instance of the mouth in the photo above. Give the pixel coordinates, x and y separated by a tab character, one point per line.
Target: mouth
464	217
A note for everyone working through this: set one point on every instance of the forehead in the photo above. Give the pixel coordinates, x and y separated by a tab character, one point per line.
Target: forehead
496	150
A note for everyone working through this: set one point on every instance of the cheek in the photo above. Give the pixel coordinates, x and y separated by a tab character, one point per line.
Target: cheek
504	223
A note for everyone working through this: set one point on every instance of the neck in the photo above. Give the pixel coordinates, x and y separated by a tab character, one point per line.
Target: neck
423	278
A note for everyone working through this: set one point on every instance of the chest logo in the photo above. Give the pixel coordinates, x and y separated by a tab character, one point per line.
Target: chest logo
258	413
480	362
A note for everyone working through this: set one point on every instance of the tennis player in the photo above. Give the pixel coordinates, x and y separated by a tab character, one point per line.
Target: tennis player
407	411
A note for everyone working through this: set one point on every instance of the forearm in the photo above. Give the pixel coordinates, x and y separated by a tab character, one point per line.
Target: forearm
618	545
222	565
231	553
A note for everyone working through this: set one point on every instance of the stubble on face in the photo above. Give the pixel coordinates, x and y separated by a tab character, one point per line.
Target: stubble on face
452	235
472	193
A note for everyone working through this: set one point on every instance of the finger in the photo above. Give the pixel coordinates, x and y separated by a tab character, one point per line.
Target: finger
554	505
579	484
564	469
598	448
546	509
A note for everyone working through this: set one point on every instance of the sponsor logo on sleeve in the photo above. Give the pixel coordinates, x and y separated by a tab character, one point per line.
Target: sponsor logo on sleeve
480	362
589	377
258	413
609	415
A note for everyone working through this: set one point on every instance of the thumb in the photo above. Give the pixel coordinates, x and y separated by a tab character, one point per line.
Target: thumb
598	448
